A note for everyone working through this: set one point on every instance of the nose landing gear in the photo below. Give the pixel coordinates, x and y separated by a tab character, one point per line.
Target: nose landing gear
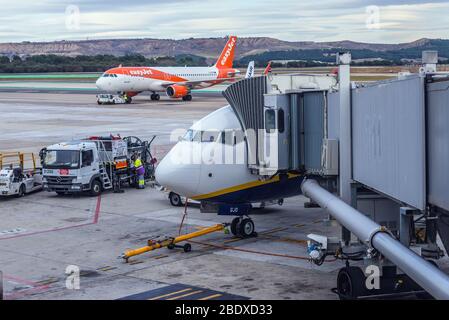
243	227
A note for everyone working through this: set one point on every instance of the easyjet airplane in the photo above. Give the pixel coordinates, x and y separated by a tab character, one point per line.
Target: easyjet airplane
177	82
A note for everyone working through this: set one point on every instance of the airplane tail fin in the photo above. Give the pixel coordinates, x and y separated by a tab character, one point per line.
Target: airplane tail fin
267	69
227	55
250	70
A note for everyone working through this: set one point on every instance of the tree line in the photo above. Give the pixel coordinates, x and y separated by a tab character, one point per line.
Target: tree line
84	63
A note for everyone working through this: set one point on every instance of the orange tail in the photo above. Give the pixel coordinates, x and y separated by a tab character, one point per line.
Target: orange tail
227	55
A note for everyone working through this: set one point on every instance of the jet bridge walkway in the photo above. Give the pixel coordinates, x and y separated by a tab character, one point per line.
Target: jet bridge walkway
382	147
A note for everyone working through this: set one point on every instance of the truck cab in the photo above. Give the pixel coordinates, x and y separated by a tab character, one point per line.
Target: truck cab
72	167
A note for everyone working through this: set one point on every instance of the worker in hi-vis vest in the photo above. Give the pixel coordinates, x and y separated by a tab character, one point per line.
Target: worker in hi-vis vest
140	171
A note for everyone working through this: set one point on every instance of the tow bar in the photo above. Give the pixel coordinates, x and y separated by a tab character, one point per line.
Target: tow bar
171	242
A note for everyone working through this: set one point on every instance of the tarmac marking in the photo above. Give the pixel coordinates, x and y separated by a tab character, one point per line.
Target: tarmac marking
31	287
170	294
180	291
106	268
213	296
48	281
274	230
185	295
94	221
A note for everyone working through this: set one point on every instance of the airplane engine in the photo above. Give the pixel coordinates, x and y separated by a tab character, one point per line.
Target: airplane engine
176	91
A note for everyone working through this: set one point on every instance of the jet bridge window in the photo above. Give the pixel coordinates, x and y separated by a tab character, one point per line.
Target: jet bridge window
281	120
274	120
270	120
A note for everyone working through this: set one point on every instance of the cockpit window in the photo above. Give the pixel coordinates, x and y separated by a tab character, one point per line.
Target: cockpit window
232	137
189	135
209	136
202	136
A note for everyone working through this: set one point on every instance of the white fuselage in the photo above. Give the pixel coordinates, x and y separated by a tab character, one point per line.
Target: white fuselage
155	79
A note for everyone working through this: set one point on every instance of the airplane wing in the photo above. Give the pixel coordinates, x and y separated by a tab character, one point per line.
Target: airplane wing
196	83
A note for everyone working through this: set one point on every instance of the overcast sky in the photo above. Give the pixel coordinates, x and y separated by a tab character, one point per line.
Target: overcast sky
386	21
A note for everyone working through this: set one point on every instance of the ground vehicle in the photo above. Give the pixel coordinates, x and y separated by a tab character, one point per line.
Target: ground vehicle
93	164
112	99
17	180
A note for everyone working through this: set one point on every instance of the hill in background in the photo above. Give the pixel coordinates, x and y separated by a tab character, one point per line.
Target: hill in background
96	55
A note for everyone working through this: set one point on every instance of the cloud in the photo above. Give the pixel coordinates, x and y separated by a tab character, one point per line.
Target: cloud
326	20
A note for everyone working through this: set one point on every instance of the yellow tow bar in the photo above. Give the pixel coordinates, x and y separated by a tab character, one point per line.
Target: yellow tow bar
171	242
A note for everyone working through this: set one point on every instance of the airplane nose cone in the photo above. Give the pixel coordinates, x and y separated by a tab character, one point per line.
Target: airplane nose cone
178	172
100	84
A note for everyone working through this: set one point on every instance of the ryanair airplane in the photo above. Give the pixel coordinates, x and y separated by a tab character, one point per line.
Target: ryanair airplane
209	164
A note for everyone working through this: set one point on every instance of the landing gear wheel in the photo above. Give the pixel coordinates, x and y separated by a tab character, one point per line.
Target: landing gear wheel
350	282
95	188
60	193
155	96
175	199
187	98
21	191
234	226
246	228
187	247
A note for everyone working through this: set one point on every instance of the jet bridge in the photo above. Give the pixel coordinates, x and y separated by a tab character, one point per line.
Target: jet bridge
382	147
285	124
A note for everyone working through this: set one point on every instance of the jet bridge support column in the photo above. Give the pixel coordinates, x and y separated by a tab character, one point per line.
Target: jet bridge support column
429	277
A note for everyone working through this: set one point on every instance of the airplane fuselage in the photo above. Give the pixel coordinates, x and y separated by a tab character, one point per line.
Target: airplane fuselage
210	164
156	79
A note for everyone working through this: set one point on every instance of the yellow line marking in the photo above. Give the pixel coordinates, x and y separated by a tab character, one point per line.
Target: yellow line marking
170	294
185	295
232	240
274	230
211	296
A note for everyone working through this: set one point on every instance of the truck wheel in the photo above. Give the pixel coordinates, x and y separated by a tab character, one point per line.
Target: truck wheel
175	199
95	188
21	191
